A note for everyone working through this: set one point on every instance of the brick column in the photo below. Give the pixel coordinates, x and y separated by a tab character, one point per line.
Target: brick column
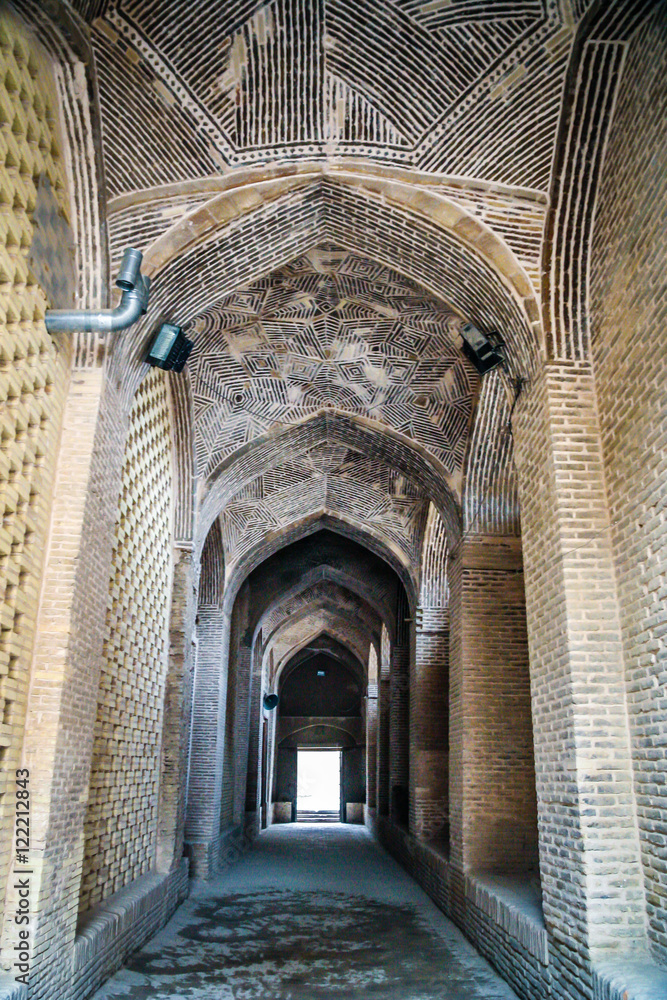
243	685
383	746
177	702
399	732
202	831
587	817
253	742
492	790
429	725
371	744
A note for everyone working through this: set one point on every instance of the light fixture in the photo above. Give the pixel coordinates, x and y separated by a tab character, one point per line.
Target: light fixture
170	348
321	673
270	702
485	350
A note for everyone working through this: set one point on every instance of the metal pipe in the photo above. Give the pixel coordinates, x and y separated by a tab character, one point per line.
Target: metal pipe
134	301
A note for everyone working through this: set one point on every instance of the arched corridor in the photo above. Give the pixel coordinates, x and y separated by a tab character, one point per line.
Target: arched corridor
311	911
332	428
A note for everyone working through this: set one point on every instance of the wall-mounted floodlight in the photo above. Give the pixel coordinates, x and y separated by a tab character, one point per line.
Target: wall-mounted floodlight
485	350
270	702
170	349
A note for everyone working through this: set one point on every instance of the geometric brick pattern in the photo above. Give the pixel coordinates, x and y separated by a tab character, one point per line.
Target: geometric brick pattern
432	162
490	497
319	619
434	585
324	595
33	377
595	70
331	329
120	825
329	479
445	78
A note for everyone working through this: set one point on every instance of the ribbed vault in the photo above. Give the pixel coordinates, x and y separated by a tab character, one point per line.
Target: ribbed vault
321	558
304	629
329	480
295	612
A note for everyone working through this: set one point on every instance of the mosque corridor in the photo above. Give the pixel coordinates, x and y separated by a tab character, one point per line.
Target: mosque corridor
311	911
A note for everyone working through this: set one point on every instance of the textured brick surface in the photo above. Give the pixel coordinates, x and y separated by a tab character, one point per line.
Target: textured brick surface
627	317
324	192
120	829
33	379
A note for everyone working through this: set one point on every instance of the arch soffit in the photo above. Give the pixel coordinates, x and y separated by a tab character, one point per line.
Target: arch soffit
327	603
415	195
320	622
421	206
329	574
340	728
328	425
357	532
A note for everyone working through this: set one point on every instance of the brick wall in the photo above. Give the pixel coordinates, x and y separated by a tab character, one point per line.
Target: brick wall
121	821
429	731
33	378
628	304
494	821
582	761
399	713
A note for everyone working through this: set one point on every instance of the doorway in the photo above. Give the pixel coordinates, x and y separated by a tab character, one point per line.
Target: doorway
318	786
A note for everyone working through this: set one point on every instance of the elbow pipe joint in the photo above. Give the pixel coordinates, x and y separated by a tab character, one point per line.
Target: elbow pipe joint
133	303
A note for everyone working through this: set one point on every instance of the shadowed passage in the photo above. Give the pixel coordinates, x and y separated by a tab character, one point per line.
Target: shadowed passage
312	911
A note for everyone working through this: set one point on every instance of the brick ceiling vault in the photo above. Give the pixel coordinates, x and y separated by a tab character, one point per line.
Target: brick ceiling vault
331	648
324	190
349	527
292	622
317	559
323	593
461	89
302	629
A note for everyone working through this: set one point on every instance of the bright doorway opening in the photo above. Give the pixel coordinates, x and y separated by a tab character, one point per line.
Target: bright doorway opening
318	785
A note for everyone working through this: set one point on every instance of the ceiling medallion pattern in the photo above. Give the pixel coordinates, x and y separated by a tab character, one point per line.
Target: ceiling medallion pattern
404	81
330	330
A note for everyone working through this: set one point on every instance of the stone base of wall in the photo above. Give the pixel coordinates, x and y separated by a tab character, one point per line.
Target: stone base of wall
11	990
354	812
211	857
639	980
282	812
120	925
496	914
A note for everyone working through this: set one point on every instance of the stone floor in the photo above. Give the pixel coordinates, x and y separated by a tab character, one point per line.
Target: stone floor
311	911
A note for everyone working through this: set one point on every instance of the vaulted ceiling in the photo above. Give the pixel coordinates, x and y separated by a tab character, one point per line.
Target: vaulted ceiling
467	88
326	190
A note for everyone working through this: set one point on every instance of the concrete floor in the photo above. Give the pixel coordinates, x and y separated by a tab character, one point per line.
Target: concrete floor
311	911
